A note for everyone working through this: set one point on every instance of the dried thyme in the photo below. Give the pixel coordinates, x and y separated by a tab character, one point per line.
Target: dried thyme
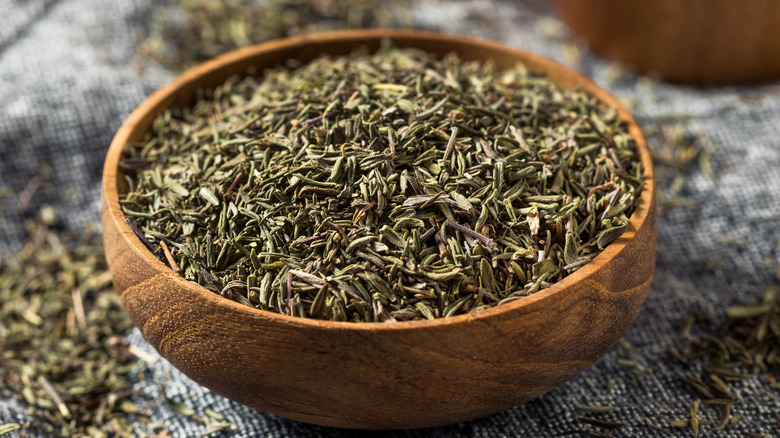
183	33
61	345
383	187
748	343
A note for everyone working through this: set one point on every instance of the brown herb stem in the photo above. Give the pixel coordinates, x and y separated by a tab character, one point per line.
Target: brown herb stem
471	233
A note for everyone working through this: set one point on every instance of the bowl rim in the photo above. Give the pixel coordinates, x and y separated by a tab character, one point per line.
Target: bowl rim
535	63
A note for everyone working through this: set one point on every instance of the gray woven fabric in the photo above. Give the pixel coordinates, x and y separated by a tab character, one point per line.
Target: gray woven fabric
67	81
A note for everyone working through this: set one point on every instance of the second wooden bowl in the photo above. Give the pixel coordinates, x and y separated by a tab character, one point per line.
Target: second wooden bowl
703	42
375	375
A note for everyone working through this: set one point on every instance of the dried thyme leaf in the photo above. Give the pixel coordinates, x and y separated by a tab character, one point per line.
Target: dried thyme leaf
597	409
214	428
180	408
9	427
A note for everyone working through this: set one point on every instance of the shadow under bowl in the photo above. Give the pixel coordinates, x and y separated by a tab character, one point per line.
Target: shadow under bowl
378	375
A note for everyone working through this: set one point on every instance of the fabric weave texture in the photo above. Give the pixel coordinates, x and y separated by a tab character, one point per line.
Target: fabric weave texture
68	78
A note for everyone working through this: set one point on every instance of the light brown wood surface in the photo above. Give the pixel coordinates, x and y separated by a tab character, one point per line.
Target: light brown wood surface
701	42
375	375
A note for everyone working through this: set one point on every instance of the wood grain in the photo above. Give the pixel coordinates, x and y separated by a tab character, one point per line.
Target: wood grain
374	375
701	42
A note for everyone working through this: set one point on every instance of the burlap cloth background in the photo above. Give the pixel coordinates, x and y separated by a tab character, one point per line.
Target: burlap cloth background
67	82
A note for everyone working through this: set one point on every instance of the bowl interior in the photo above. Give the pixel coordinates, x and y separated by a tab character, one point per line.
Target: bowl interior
183	91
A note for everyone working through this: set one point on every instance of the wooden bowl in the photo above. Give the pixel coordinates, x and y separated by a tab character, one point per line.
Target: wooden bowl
701	42
377	375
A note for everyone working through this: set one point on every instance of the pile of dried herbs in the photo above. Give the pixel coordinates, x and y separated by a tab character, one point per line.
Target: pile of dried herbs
383	187
61	345
184	33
